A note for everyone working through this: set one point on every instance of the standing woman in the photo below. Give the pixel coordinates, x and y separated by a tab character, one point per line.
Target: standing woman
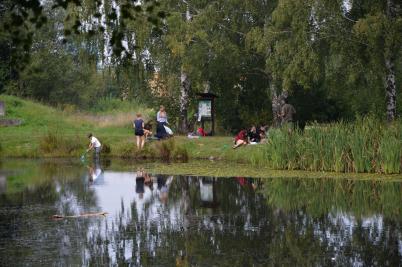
161	118
139	131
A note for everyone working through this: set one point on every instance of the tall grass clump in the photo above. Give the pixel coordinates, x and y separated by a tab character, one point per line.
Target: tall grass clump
365	145
390	154
281	149
168	150
53	143
363	140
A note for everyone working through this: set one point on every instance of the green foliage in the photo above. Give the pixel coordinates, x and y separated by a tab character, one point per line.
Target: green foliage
364	146
53	143
322	196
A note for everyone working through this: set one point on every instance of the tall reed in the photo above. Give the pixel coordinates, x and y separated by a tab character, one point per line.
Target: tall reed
366	145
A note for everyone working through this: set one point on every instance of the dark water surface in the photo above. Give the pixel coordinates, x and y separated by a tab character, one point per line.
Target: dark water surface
193	221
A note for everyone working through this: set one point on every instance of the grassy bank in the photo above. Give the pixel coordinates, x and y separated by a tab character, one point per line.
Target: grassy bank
365	146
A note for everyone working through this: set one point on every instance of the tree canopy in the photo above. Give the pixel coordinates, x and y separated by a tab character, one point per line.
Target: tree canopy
333	58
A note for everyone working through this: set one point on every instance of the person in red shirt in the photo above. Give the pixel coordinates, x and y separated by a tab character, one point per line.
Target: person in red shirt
201	132
240	139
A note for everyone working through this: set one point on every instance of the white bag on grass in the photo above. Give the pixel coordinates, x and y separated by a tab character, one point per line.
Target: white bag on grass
168	130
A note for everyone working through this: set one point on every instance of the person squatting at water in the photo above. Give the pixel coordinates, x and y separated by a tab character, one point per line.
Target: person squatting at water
95	145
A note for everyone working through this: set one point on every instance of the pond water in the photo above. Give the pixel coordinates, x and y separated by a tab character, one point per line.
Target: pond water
163	220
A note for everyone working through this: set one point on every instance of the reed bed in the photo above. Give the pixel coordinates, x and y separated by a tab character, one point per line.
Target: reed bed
366	145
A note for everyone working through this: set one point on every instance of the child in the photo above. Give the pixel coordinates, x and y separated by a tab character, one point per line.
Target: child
139	131
147	130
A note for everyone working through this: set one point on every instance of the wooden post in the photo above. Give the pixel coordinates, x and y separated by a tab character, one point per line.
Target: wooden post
2	109
213	116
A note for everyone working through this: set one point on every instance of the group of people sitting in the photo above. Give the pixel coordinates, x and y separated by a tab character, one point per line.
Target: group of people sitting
254	135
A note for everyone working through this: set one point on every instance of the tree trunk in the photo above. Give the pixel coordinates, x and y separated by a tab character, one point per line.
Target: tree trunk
390	84
185	85
390	89
277	103
184	101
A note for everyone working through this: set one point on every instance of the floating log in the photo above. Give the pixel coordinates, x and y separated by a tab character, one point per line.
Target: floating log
79	216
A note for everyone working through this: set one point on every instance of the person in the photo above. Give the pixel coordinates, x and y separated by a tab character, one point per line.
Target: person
94	173
253	135
287	113
147	130
246	182
240	139
139	184
201	132
161	118
163	184
95	145
262	132
140	132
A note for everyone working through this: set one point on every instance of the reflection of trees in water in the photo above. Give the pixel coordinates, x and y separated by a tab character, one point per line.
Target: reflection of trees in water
322	196
286	222
27	233
352	222
183	230
244	230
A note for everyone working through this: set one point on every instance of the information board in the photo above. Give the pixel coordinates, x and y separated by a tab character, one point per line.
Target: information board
204	108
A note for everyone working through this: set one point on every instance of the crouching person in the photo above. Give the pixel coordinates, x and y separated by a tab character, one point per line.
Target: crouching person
94	145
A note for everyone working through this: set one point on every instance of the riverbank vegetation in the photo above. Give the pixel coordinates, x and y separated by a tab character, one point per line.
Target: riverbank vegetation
365	146
95	67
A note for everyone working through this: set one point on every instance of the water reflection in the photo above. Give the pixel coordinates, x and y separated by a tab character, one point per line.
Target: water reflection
203	221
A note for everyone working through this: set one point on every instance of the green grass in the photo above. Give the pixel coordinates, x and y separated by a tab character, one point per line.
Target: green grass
366	145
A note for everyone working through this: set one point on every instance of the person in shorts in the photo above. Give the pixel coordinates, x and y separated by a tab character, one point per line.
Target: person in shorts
139	131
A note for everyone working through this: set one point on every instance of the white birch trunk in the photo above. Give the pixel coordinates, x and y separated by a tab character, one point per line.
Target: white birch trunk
390	83
185	86
184	101
390	89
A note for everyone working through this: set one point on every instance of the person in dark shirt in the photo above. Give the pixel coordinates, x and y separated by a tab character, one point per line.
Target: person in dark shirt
253	135
287	113
139	131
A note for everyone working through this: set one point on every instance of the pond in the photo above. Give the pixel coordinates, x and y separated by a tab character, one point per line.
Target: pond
163	220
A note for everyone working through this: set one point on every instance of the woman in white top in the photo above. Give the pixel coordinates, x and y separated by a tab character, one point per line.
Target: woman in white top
161	118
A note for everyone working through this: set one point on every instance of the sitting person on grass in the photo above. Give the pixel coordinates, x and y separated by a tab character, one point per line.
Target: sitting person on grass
240	139
253	135
262	132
